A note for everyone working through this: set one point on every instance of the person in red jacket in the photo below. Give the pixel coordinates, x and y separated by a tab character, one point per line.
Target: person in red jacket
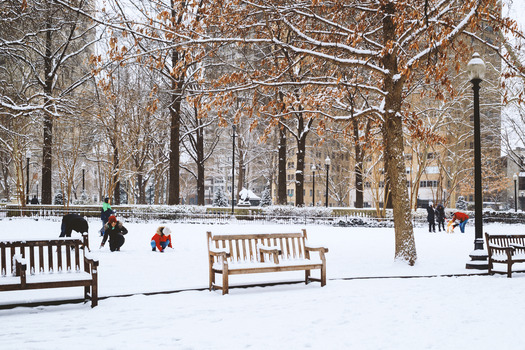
161	239
462	218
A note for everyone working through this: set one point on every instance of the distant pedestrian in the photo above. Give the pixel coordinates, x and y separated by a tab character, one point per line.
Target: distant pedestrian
440	216
161	239
462	218
115	231
431	217
73	222
34	200
105	213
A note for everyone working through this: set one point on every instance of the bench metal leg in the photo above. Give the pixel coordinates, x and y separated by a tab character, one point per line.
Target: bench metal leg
306	276
509	269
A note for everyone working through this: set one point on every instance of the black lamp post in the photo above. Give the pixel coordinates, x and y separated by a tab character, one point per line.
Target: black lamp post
83	177
476	70
28	157
327	164
515	177
313	185
37	190
233	170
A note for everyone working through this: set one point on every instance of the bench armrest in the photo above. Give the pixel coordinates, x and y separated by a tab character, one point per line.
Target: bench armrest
316	249
224	253
272	250
20	267
517	246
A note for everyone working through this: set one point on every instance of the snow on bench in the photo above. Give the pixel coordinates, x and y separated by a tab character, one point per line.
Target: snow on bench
234	254
52	264
505	249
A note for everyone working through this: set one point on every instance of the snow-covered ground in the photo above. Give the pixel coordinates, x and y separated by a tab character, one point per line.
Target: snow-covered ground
474	312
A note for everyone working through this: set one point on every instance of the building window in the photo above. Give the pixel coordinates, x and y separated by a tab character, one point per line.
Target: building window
291	165
290	192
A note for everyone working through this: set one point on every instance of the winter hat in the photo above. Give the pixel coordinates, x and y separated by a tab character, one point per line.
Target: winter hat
112	219
166	231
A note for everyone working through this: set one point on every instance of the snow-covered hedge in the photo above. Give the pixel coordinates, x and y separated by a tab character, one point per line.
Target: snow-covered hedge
288	210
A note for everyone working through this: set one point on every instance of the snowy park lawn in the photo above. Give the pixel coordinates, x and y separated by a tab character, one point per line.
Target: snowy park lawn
351	312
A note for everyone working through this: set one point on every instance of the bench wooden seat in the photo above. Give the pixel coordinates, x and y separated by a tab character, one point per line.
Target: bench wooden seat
234	254
505	249
52	264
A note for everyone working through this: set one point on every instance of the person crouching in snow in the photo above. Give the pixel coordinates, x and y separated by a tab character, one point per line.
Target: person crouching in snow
462	218
161	239
115	231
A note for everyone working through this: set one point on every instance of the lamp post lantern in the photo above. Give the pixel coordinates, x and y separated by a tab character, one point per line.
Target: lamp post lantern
233	170
476	71
28	157
327	164
313	185
515	177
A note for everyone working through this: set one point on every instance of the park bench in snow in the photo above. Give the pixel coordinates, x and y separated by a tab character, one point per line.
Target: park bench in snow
234	254
52	264
505	249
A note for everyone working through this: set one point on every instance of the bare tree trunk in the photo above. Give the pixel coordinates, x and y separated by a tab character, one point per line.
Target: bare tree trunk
115	180
200	166
405	247
47	161
281	178
299	172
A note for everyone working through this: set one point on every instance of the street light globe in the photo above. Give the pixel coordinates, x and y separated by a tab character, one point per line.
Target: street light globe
515	177
476	67
28	154
327	161
313	167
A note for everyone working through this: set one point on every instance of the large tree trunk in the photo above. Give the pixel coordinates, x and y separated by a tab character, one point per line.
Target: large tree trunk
405	247
359	159
281	177
47	160
174	176
141	188
299	172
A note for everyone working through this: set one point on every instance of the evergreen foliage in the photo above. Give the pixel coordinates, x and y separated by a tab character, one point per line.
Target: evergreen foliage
219	198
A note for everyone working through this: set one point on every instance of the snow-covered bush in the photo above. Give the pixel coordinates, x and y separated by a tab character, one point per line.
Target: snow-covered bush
288	210
219	198
266	198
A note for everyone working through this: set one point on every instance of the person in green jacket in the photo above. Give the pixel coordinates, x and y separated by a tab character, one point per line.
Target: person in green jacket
105	213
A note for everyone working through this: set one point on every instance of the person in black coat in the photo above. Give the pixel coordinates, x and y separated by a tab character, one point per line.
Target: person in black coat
72	222
440	216
115	231
431	218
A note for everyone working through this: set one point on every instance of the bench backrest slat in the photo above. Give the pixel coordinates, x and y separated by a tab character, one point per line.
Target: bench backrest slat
35	252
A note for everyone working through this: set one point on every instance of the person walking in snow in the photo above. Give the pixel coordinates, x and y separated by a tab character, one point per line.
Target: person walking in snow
105	213
431	217
161	239
440	216
115	231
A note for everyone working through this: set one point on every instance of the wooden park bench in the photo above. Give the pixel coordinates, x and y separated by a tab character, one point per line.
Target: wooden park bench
234	254
505	249
55	263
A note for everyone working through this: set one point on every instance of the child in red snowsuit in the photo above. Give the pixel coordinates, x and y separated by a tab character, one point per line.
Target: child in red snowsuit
161	239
